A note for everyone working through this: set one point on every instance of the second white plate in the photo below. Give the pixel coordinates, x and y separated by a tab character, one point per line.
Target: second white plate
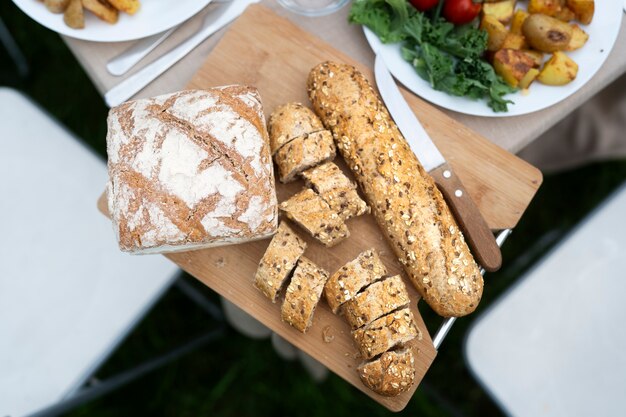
602	31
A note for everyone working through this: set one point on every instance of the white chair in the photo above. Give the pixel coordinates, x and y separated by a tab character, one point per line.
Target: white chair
554	344
68	296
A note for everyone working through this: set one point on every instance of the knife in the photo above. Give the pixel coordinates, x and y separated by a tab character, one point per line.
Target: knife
213	22
480	238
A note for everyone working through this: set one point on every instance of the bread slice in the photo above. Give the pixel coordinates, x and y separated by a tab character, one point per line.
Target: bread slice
290	121
375	301
337	189
353	277
391	374
279	259
385	333
315	216
303	294
303	153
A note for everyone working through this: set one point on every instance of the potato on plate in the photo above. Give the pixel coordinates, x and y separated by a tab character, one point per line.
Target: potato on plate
126	6
546	33
74	15
583	9
514	41
56	6
514	67
579	38
518	20
501	10
102	9
495	30
547	7
559	70
536	56
565	14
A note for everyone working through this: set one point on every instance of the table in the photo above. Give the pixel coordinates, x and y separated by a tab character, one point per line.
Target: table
511	133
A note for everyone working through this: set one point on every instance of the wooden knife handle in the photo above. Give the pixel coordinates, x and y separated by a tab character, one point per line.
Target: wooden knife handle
478	235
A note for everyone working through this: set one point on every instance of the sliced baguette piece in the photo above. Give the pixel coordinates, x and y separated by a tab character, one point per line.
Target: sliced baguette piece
405	200
315	216
353	277
390	374
380	298
279	259
303	294
290	121
303	153
336	188
385	333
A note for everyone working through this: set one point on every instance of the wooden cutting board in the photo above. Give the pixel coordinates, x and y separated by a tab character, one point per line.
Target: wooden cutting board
272	54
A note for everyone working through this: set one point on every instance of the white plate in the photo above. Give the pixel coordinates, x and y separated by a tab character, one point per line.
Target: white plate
154	16
602	31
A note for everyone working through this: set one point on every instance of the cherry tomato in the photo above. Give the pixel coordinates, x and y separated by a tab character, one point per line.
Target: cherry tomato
460	12
424	5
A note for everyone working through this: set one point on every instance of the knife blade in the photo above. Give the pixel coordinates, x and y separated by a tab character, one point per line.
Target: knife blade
479	237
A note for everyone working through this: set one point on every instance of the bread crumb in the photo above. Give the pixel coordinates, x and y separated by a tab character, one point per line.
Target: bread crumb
220	262
326	334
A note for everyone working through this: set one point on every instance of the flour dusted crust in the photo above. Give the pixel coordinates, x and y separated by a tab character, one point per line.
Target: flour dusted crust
290	121
391	374
404	199
382	334
336	189
303	153
279	259
351	278
378	299
190	170
314	215
303	294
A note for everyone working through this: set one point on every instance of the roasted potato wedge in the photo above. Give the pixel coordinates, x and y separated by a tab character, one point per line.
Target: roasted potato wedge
56	6
546	33
565	14
126	6
74	15
527	80
536	56
496	31
583	9
578	40
518	20
501	10
514	41
102	10
512	65
547	7
558	70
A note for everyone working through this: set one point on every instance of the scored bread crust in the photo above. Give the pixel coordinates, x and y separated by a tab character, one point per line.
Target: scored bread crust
337	189
303	153
353	277
314	215
279	259
303	294
382	334
404	199
380	298
290	121
391	374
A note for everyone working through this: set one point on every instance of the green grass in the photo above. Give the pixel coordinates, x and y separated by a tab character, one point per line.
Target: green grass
236	376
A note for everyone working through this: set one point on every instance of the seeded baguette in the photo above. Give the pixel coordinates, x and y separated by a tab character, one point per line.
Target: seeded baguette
386	332
290	121
279	259
404	198
336	189
391	374
351	278
380	298
314	215
303	153
303	294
